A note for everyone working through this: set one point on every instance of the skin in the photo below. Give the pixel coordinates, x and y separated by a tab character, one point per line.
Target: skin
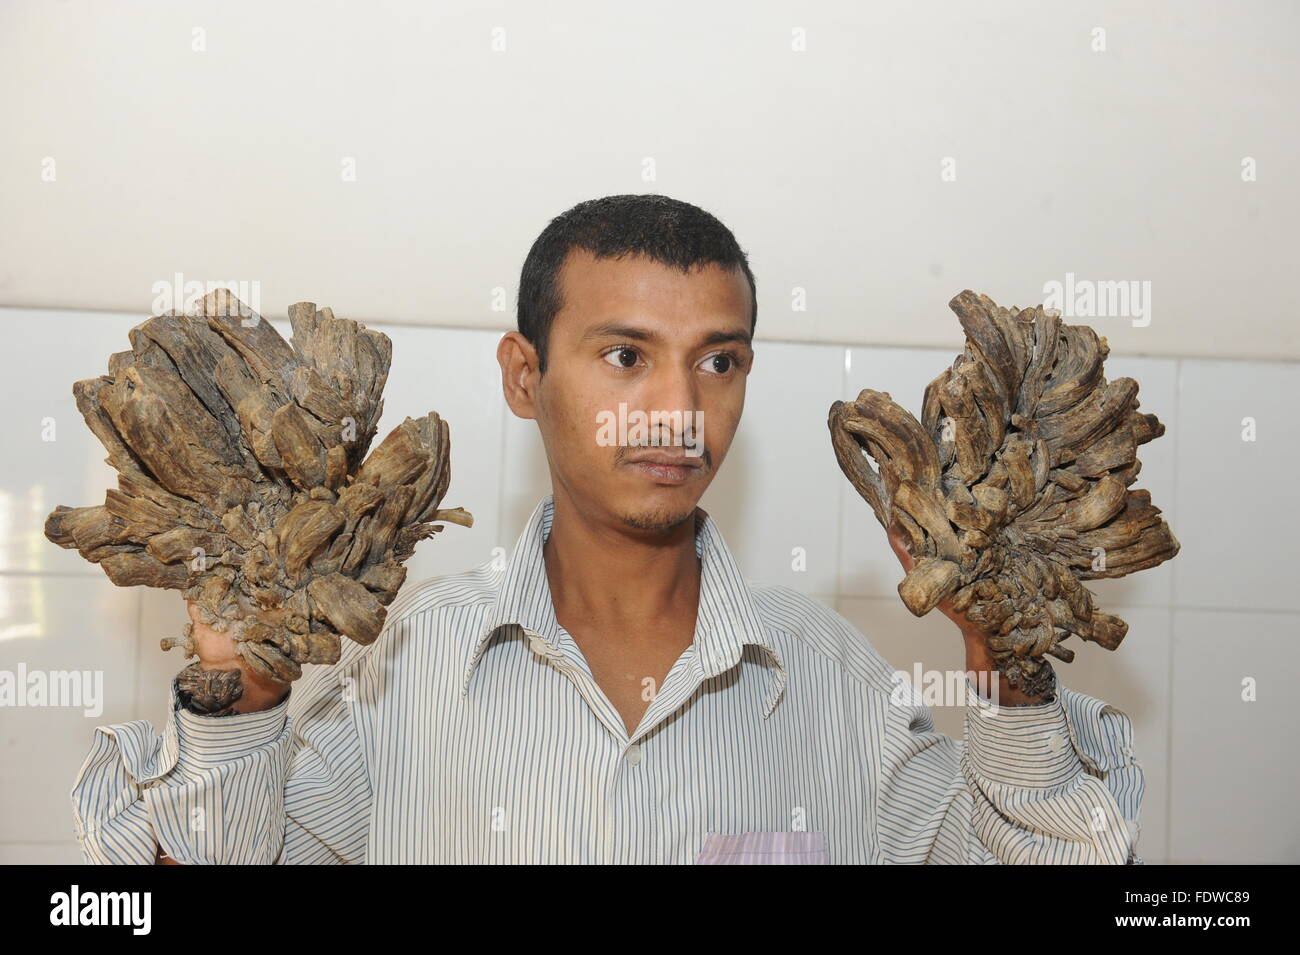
637	332
216	651
979	659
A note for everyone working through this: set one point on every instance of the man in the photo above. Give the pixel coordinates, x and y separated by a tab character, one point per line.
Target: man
616	692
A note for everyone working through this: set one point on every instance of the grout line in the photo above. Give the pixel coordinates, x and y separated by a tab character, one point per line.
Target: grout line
1193	608
79	575
845	358
1126	605
1169	741
955	347
1169	666
502	421
139	636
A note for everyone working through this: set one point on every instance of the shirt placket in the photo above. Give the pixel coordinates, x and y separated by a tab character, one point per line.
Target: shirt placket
627	815
571	665
639	786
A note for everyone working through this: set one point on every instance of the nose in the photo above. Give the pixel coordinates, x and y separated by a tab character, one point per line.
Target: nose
671	389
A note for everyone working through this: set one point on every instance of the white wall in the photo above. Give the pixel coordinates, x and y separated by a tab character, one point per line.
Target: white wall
1221	777
1115	165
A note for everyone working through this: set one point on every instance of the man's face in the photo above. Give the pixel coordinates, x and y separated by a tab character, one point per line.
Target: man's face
644	365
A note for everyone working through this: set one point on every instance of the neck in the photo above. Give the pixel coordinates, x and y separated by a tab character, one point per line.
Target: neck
617	579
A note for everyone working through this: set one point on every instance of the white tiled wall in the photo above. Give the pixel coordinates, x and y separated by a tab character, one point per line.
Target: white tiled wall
1221	772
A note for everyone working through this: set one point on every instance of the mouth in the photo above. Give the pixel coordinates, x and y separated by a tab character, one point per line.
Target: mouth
666	468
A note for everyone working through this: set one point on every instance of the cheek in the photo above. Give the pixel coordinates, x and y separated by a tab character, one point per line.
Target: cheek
578	424
722	418
565	404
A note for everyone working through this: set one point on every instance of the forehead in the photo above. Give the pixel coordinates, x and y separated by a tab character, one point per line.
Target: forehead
595	290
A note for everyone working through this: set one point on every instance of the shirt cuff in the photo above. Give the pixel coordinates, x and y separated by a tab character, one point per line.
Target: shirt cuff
1025	746
212	740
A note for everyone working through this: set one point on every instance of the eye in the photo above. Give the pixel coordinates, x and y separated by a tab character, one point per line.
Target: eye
619	353
721	363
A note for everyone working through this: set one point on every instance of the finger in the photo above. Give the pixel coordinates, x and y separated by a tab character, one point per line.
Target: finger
899	543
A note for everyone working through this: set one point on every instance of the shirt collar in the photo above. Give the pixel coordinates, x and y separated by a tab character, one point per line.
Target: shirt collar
726	620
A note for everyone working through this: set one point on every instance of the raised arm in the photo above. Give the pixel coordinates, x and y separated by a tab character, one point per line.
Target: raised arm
1047	784
1048	778
281	784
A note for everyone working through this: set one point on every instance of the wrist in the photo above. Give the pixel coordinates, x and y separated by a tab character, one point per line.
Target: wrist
226	688
259	695
980	659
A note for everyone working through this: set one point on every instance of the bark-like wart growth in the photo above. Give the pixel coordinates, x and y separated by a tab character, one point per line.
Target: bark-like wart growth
1014	486
243	481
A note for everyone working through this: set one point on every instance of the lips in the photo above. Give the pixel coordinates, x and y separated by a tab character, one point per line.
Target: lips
664	468
665	460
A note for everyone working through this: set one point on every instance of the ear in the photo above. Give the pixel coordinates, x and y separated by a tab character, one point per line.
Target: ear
519	377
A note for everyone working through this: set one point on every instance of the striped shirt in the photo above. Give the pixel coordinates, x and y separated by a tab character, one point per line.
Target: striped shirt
472	731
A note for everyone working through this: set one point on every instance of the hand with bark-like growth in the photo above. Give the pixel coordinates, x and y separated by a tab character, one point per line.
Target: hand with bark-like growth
216	651
979	659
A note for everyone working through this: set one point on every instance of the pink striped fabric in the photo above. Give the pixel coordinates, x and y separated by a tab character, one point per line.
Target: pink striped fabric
764	848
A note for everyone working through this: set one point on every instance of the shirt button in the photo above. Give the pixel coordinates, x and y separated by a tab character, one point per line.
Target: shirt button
540	646
1055	742
633	755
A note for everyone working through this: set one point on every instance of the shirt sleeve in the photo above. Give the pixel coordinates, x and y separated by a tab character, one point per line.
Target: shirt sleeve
284	785
1055	783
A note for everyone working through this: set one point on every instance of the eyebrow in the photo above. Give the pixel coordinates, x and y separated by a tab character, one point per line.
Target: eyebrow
610	330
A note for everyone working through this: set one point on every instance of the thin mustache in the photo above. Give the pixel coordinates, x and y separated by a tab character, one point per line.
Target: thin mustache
706	459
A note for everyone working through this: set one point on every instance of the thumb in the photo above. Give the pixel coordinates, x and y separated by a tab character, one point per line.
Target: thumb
898	540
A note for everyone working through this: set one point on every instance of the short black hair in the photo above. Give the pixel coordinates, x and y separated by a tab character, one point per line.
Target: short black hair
668	231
